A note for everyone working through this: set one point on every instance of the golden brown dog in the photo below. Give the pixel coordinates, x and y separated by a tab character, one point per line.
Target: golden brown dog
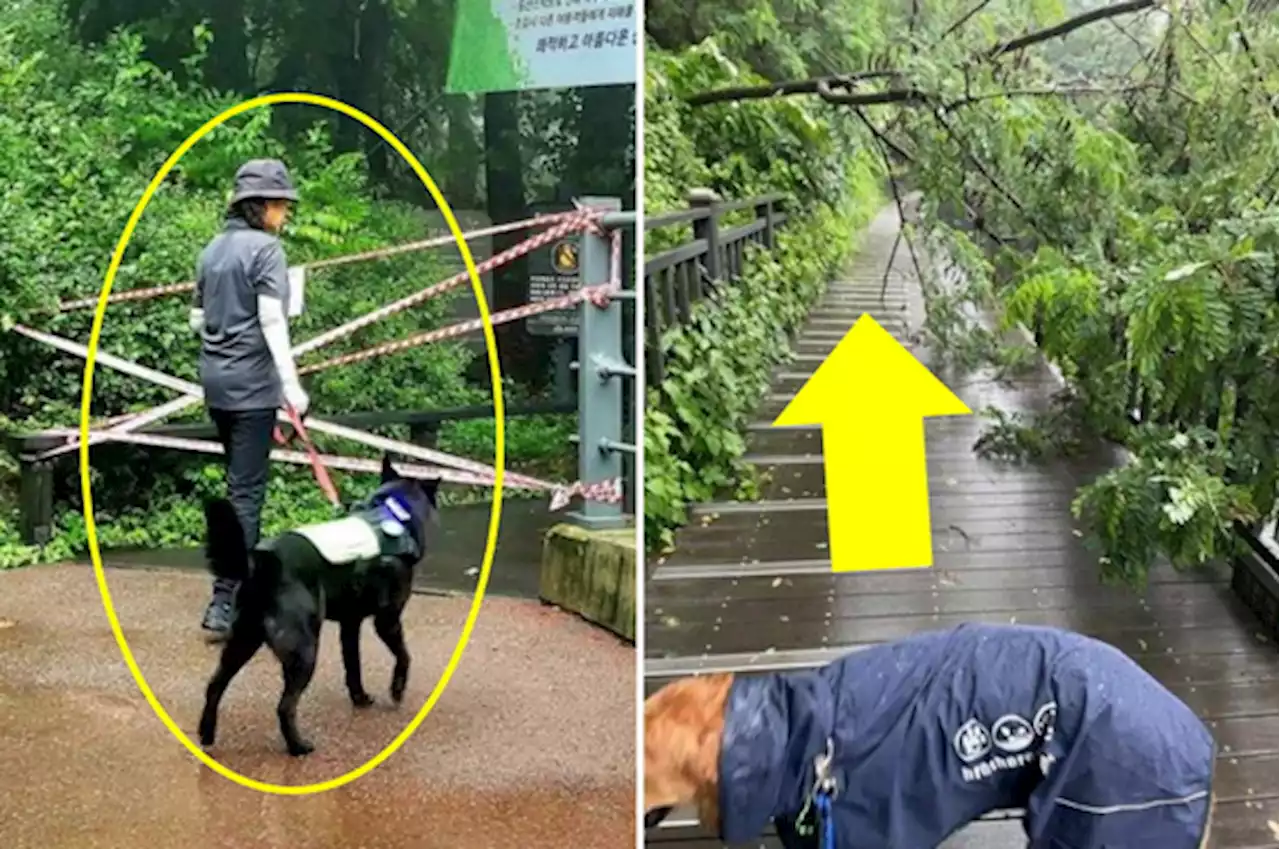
683	724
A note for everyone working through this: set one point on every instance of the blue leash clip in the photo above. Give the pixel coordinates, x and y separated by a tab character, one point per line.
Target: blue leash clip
824	789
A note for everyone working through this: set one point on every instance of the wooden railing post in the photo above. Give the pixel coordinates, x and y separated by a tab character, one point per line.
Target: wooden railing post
708	228
765	211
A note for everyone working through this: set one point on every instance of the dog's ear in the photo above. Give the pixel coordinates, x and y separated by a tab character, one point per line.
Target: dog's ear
389	472
430	488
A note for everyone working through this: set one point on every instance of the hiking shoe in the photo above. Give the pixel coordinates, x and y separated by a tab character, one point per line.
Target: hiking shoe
218	616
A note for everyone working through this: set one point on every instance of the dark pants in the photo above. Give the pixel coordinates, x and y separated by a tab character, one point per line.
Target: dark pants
246	437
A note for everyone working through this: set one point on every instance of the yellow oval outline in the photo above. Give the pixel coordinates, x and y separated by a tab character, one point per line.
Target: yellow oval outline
495	374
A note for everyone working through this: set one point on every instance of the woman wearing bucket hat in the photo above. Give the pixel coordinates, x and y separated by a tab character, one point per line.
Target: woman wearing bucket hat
246	366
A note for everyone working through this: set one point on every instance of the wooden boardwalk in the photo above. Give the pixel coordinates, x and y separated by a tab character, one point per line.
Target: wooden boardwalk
749	587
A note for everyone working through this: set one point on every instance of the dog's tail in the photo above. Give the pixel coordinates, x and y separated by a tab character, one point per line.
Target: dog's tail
224	547
267	570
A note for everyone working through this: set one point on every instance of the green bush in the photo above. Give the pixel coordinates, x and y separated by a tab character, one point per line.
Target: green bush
718	364
718	368
82	132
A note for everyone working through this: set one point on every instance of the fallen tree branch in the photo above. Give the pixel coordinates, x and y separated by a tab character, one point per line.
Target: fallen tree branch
869	98
828	84
882	136
1067	26
964	19
897	199
1056	91
761	92
982	169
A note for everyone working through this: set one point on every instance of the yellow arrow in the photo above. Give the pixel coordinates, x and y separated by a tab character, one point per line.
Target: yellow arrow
871	397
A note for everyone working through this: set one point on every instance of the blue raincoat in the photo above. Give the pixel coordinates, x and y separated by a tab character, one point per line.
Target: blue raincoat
931	732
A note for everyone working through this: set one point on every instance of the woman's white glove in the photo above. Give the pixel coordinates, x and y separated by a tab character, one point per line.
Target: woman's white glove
195	320
275	328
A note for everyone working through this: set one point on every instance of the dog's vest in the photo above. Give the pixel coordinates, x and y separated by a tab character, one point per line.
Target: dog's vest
368	535
931	732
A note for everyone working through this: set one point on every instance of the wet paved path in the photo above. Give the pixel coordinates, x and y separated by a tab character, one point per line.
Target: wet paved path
532	745
749	586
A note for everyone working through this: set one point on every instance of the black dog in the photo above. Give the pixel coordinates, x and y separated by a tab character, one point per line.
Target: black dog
343	571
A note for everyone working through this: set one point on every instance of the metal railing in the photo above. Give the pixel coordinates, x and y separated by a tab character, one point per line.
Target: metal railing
677	279
606	412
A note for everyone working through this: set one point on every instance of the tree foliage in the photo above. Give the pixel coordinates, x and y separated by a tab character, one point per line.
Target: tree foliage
1114	189
720	361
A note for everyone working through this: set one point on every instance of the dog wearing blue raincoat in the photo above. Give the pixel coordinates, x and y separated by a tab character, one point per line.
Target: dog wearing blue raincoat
899	745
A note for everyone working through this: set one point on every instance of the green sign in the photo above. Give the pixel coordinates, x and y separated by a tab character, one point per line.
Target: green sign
517	45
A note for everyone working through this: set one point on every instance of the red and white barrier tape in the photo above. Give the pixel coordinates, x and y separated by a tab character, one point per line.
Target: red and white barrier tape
139	420
608	492
120	428
598	295
576	222
559	493
291	456
379	253
194	390
127	425
615	259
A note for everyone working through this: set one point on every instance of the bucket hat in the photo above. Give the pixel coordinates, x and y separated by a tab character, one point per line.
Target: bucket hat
263	178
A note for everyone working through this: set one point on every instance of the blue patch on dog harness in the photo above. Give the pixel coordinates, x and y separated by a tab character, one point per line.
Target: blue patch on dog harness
397	509
392	516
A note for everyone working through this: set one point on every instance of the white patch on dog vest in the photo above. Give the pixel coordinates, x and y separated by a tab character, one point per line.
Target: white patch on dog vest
343	541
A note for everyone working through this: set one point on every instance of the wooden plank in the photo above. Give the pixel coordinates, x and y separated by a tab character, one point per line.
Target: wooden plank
827	583
818	626
1245	825
927	597
1236	824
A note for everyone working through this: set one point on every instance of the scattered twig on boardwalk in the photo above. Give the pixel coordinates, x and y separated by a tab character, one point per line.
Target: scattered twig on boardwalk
968	540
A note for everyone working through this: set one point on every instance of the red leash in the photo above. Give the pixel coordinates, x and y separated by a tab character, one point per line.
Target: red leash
317	465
